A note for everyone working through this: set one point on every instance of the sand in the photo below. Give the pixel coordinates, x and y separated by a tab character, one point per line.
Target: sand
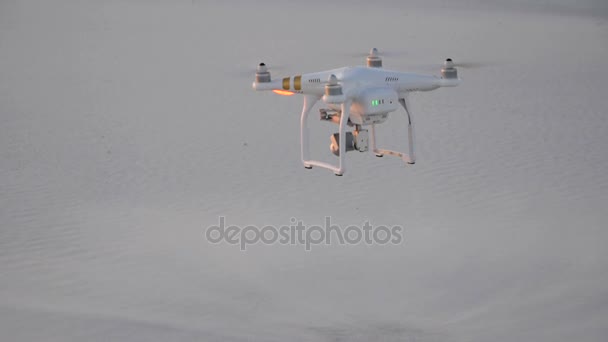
128	127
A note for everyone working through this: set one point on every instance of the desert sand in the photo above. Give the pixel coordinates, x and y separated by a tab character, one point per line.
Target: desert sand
128	127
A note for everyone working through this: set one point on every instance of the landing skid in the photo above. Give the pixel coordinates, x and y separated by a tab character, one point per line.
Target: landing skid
310	101
410	157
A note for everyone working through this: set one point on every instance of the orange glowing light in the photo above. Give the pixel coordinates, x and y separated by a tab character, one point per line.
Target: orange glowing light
283	92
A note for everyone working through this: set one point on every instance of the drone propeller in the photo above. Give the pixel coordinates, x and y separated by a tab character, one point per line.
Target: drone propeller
243	72
471	65
379	52
467	65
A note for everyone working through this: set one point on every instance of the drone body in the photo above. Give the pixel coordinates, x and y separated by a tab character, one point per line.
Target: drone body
359	97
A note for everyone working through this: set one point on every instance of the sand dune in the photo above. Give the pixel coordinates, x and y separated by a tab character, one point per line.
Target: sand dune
127	128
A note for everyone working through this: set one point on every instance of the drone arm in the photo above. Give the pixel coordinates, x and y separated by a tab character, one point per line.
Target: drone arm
273	85
443	82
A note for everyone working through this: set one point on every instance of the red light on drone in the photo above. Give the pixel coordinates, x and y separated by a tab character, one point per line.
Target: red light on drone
283	92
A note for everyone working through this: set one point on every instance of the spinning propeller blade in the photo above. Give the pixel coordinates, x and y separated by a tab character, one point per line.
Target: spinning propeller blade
247	72
382	53
467	65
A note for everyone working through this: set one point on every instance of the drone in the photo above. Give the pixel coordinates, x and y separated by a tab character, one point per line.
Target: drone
360	97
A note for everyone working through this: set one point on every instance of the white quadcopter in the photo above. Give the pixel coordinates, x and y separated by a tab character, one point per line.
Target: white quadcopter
358	97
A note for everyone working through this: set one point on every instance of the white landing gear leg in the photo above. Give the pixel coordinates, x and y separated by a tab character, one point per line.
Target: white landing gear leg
342	135
309	102
410	130
372	141
409	158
